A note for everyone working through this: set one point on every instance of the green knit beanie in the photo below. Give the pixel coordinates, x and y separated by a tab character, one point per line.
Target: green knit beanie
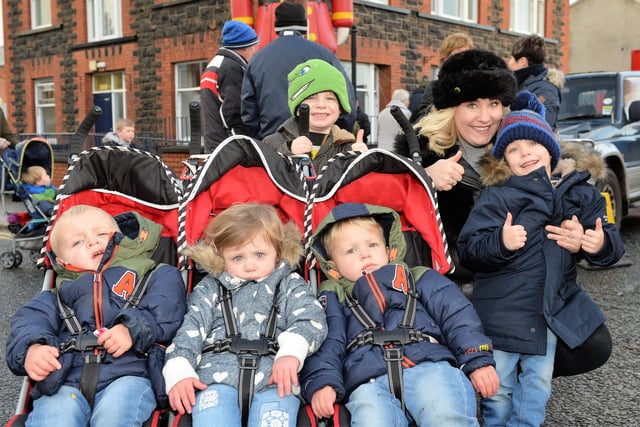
315	76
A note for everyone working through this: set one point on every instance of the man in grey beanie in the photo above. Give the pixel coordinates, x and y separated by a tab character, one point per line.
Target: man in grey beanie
264	87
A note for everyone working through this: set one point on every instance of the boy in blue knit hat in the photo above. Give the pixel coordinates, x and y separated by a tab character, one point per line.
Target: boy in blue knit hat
221	84
522	239
324	89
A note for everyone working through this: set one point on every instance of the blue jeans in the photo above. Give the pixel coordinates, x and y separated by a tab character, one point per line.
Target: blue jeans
218	406
435	393
126	402
523	394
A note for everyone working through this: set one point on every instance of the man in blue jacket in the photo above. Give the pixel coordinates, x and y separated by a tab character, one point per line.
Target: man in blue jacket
264	87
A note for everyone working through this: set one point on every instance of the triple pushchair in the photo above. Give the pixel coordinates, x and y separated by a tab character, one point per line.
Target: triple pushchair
243	170
27	227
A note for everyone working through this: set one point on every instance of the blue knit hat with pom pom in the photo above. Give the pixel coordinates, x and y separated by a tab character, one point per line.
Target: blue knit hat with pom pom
526	121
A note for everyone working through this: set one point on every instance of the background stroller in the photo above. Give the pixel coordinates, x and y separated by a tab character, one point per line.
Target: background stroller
28	227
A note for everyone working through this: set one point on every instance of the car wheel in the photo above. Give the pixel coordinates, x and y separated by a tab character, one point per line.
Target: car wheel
610	185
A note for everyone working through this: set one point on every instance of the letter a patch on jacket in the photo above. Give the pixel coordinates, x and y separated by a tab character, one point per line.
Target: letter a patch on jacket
124	286
400	281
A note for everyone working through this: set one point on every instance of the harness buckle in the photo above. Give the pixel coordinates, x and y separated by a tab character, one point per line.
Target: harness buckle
248	361
399	336
95	355
257	347
393	354
80	342
68	345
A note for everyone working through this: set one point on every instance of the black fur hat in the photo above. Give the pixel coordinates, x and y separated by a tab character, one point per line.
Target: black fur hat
473	74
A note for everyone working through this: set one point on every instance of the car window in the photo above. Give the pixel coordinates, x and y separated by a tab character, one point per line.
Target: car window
587	97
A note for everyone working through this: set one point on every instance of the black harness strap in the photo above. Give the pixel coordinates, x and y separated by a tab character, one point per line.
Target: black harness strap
247	351
87	343
404	334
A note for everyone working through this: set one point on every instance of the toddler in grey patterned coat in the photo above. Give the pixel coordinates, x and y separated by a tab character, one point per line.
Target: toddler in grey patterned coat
251	322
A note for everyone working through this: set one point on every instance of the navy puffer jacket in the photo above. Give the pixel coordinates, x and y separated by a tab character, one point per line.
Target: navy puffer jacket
519	293
155	320
442	312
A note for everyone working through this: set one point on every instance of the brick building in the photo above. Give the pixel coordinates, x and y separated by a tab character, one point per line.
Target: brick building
142	58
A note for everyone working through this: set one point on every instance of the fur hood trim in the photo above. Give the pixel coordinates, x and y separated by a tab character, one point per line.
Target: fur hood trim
573	156
211	260
341	136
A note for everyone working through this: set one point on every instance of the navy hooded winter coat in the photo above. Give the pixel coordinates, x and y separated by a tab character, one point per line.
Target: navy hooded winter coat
518	294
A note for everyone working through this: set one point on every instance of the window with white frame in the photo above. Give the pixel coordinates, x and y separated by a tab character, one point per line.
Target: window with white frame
527	16
40	13
104	20
187	90
113	85
45	106
464	10
367	84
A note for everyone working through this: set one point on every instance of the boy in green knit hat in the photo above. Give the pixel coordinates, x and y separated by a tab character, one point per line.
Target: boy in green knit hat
324	89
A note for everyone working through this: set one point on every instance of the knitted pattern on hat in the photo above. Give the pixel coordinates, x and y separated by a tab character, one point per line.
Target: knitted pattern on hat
473	74
526	121
315	76
238	35
290	16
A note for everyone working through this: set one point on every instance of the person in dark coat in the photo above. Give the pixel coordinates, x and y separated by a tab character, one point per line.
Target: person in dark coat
7	137
221	84
522	239
361	248
469	99
264	86
527	62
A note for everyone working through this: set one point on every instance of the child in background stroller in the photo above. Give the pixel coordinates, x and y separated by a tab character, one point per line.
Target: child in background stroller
37	182
28	227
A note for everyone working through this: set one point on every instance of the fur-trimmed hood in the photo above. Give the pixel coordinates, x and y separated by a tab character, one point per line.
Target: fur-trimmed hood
574	156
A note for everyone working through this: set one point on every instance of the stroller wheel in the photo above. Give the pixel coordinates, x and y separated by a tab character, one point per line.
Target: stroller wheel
18	260
34	256
7	259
